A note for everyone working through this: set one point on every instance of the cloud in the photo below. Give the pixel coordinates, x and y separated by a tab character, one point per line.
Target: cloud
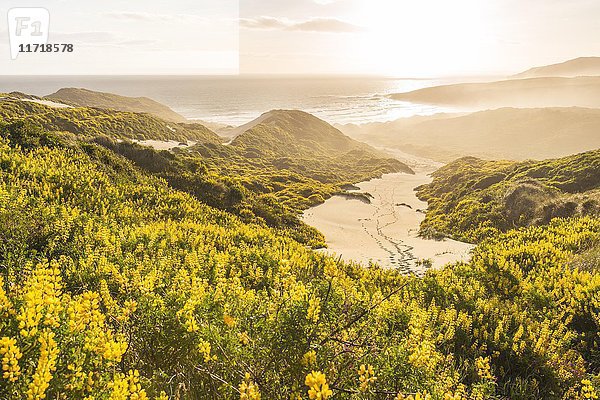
150	17
264	23
138	16
325	25
82	37
331	25
98	39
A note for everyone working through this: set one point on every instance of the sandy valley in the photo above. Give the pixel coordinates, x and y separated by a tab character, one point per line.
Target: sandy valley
386	230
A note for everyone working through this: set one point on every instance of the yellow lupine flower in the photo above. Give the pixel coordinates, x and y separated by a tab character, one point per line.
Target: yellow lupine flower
229	320
127	387
10	359
483	368
162	396
42	300
309	358
366	375
588	392
314	309
205	348
453	396
318	387
45	367
248	389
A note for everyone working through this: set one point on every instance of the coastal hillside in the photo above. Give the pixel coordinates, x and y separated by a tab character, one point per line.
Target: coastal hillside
291	137
534	92
91	122
506	133
582	66
472	198
288	132
275	170
314	160
113	284
89	98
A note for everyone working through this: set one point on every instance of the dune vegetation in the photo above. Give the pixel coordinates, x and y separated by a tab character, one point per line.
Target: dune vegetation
270	173
91	122
118	282
249	177
88	98
471	199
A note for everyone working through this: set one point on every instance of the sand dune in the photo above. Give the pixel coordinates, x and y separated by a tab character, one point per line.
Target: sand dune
582	66
386	231
535	92
511	133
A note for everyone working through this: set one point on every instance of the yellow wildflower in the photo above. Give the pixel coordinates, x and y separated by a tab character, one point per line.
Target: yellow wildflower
10	359
318	387
229	320
162	396
205	348
46	366
248	389
366	375
244	338
309	358
314	309
42	300
588	392
483	368
127	387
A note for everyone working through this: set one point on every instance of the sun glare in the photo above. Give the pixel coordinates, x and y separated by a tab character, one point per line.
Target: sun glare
417	36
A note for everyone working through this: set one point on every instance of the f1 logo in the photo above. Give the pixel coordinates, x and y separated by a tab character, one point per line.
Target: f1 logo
27	25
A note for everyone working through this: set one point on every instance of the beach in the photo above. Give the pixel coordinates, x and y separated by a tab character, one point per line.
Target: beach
385	231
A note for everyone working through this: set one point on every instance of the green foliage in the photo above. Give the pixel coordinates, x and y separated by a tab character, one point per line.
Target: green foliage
472	199
302	143
269	173
300	161
90	98
115	285
91	122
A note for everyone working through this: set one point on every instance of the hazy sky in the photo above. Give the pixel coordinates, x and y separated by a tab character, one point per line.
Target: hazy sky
390	37
132	37
416	38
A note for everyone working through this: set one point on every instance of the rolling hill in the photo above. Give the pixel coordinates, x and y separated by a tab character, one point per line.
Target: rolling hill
492	134
582	66
296	133
91	121
472	199
116	285
267	175
533	92
89	98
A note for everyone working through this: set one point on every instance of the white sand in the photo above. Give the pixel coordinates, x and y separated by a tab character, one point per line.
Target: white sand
383	232
49	103
163	144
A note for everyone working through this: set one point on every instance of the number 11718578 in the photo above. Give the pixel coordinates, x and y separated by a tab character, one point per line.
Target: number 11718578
46	48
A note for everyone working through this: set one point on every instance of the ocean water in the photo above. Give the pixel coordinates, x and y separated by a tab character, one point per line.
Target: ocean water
237	100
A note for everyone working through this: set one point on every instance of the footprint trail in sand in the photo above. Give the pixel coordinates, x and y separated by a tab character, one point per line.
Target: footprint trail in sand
385	231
